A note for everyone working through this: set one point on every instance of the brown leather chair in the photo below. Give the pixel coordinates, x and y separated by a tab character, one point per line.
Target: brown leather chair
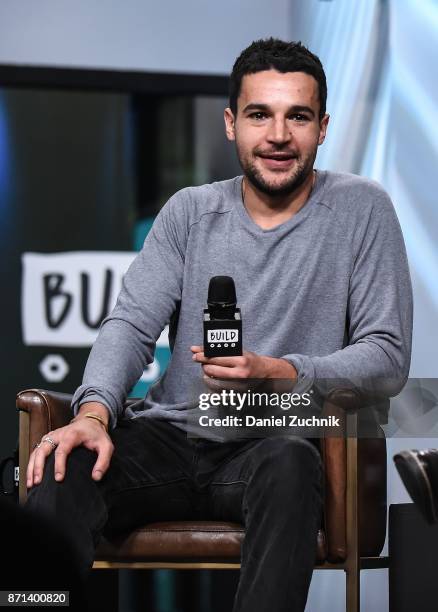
354	525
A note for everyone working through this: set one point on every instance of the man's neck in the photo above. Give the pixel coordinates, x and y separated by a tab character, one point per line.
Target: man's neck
268	211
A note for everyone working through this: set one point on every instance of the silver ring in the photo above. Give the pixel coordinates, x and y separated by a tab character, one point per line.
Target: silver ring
50	441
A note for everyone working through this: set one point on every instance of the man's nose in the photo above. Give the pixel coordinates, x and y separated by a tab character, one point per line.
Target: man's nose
279	132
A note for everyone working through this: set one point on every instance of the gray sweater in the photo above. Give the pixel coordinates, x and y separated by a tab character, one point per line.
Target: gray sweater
329	290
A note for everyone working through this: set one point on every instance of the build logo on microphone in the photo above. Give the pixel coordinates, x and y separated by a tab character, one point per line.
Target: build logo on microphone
217	338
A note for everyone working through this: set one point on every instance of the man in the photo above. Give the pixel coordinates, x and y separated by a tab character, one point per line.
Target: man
323	285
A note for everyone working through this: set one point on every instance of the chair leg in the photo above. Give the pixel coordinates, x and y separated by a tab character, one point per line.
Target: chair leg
352	510
353	589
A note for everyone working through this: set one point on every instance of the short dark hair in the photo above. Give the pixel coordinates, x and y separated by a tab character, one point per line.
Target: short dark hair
265	54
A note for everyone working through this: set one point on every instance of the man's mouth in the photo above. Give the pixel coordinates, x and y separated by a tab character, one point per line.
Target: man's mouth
278	160
277	155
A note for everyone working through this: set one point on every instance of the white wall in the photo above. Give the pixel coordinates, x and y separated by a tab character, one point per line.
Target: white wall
197	36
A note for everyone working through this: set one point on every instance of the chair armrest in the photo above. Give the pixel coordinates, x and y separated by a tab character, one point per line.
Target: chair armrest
40	412
334	454
355	480
47	410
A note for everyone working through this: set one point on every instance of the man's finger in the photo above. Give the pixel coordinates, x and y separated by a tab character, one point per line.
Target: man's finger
61	454
29	471
219	371
228	362
217	385
105	451
41	454
196	349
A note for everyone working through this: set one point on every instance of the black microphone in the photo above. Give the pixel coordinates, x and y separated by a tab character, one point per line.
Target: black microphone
222	321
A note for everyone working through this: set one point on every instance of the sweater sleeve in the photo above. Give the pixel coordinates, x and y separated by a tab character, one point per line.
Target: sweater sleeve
379	315
151	291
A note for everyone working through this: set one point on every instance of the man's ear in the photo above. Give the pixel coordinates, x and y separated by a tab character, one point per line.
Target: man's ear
323	128
229	124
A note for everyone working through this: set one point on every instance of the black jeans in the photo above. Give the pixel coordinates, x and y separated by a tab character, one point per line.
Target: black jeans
272	485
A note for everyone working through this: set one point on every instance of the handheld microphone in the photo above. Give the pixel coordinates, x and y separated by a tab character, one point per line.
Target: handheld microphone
222	321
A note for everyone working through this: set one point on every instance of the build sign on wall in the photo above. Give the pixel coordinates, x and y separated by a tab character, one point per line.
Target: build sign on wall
65	298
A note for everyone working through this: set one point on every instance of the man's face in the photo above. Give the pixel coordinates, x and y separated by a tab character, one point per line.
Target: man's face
277	129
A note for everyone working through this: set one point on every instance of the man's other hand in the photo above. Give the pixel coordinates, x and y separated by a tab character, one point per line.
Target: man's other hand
219	371
82	431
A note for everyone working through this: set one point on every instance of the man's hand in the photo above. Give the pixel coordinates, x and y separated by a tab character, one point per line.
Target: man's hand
248	366
82	431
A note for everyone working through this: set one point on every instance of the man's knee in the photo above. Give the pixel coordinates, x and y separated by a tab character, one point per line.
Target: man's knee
79	463
79	466
289	460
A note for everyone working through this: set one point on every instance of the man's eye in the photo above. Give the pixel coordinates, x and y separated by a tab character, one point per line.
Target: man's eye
299	117
258	115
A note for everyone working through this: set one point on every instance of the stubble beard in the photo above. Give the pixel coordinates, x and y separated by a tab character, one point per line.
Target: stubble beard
303	167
